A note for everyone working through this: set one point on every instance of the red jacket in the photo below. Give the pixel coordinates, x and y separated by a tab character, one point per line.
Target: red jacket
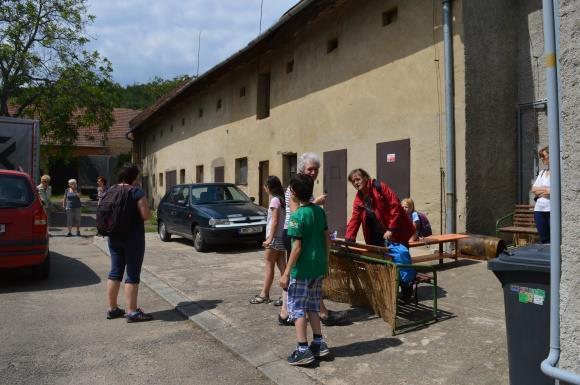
388	210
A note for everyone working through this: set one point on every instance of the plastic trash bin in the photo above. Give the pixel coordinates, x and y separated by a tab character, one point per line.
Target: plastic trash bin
524	274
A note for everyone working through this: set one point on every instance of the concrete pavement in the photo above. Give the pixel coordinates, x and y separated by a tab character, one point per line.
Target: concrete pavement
55	331
212	289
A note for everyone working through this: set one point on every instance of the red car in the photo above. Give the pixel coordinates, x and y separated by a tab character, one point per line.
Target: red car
23	225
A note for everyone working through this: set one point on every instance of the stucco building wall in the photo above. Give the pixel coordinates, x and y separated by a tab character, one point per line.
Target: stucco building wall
381	84
570	139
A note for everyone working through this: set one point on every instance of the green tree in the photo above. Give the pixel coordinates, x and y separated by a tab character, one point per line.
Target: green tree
46	72
139	96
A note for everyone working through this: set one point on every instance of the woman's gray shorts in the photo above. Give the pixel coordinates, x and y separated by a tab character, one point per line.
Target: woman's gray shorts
73	217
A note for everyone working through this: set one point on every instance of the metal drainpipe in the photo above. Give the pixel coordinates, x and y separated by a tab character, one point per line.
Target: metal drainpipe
520	107
449	117
548	366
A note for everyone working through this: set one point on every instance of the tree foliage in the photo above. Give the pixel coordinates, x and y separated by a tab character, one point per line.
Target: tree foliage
46	72
139	96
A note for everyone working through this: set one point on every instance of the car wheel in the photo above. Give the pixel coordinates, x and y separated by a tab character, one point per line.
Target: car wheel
164	235
198	242
42	271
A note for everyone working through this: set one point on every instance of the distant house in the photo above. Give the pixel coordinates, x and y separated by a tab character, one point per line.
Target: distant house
93	153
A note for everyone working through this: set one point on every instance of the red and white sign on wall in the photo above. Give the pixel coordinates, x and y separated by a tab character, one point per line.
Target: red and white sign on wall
391	158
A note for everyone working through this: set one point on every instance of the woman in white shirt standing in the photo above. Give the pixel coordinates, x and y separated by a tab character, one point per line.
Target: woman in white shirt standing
541	190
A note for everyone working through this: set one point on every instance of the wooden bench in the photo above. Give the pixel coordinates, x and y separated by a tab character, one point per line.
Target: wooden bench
363	276
520	223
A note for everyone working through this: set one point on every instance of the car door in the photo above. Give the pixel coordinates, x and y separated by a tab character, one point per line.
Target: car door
169	210
182	218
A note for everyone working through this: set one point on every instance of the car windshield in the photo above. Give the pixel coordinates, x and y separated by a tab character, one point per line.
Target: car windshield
217	194
15	191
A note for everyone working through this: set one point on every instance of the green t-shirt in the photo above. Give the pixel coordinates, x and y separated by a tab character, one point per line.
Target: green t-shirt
308	224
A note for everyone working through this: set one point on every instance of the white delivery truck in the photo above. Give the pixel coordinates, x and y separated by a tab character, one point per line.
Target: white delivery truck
20	146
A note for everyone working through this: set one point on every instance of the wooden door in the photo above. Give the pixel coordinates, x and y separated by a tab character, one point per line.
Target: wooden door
335	185
170	179
264	171
394	166
218	174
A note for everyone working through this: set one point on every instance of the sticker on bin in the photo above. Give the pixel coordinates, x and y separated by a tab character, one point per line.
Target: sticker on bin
529	295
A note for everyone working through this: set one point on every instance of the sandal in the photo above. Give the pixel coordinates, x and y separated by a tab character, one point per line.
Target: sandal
278	302
257	299
285	321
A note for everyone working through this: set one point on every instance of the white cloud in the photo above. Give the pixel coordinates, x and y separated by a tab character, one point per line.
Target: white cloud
144	39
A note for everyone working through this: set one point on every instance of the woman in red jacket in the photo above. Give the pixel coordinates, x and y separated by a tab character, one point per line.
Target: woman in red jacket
379	210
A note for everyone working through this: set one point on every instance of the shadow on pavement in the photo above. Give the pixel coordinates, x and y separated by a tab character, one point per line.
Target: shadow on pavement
232	248
58	219
190	308
65	272
362	348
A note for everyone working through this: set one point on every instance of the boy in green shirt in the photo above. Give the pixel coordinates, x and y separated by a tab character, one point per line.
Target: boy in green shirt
306	267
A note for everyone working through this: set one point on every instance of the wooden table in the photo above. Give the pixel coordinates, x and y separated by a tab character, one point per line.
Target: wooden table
439	240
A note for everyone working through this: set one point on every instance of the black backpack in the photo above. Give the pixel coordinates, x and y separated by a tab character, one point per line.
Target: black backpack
116	211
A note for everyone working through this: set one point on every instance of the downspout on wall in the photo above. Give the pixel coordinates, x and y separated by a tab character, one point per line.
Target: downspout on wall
548	366
450	217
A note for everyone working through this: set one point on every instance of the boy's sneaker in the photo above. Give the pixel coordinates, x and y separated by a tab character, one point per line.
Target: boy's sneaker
115	313
138	316
319	350
298	358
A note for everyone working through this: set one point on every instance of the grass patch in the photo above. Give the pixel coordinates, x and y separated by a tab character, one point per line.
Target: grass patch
151	224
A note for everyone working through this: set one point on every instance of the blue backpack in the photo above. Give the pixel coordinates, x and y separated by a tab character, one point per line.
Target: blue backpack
401	255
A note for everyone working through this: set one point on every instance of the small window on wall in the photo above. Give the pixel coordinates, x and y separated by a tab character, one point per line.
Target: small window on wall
218	104
199	174
242	171
242	92
289	162
183	121
290	66
154	181
182	176
160	179
263	102
331	45
200	112
390	16
171	127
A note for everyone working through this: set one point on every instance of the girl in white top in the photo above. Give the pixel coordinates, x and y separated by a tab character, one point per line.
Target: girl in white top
541	190
275	253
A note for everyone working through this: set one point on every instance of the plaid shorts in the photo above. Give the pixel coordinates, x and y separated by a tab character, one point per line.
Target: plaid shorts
277	244
304	295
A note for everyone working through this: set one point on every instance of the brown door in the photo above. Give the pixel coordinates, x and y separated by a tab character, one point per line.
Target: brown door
218	174
335	185
170	179
264	173
394	166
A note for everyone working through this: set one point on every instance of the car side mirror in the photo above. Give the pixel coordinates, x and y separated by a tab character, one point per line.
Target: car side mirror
252	199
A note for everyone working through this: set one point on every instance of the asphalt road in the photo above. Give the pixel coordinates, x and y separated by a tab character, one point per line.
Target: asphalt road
55	331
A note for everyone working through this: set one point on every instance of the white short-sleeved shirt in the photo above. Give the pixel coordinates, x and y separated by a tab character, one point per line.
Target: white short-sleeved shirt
543	180
275	204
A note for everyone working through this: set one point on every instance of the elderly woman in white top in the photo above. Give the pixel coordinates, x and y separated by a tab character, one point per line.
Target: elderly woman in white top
308	164
541	190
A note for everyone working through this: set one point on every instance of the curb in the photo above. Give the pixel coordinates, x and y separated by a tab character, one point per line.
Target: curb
240	343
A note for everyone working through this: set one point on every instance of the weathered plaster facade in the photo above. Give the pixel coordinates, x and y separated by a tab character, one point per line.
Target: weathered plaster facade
570	139
381	84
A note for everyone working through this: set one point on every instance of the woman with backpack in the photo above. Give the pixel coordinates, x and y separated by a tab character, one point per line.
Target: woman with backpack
384	223
379	211
420	221
126	241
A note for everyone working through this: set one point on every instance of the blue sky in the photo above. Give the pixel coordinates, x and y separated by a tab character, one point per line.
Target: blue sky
144	38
